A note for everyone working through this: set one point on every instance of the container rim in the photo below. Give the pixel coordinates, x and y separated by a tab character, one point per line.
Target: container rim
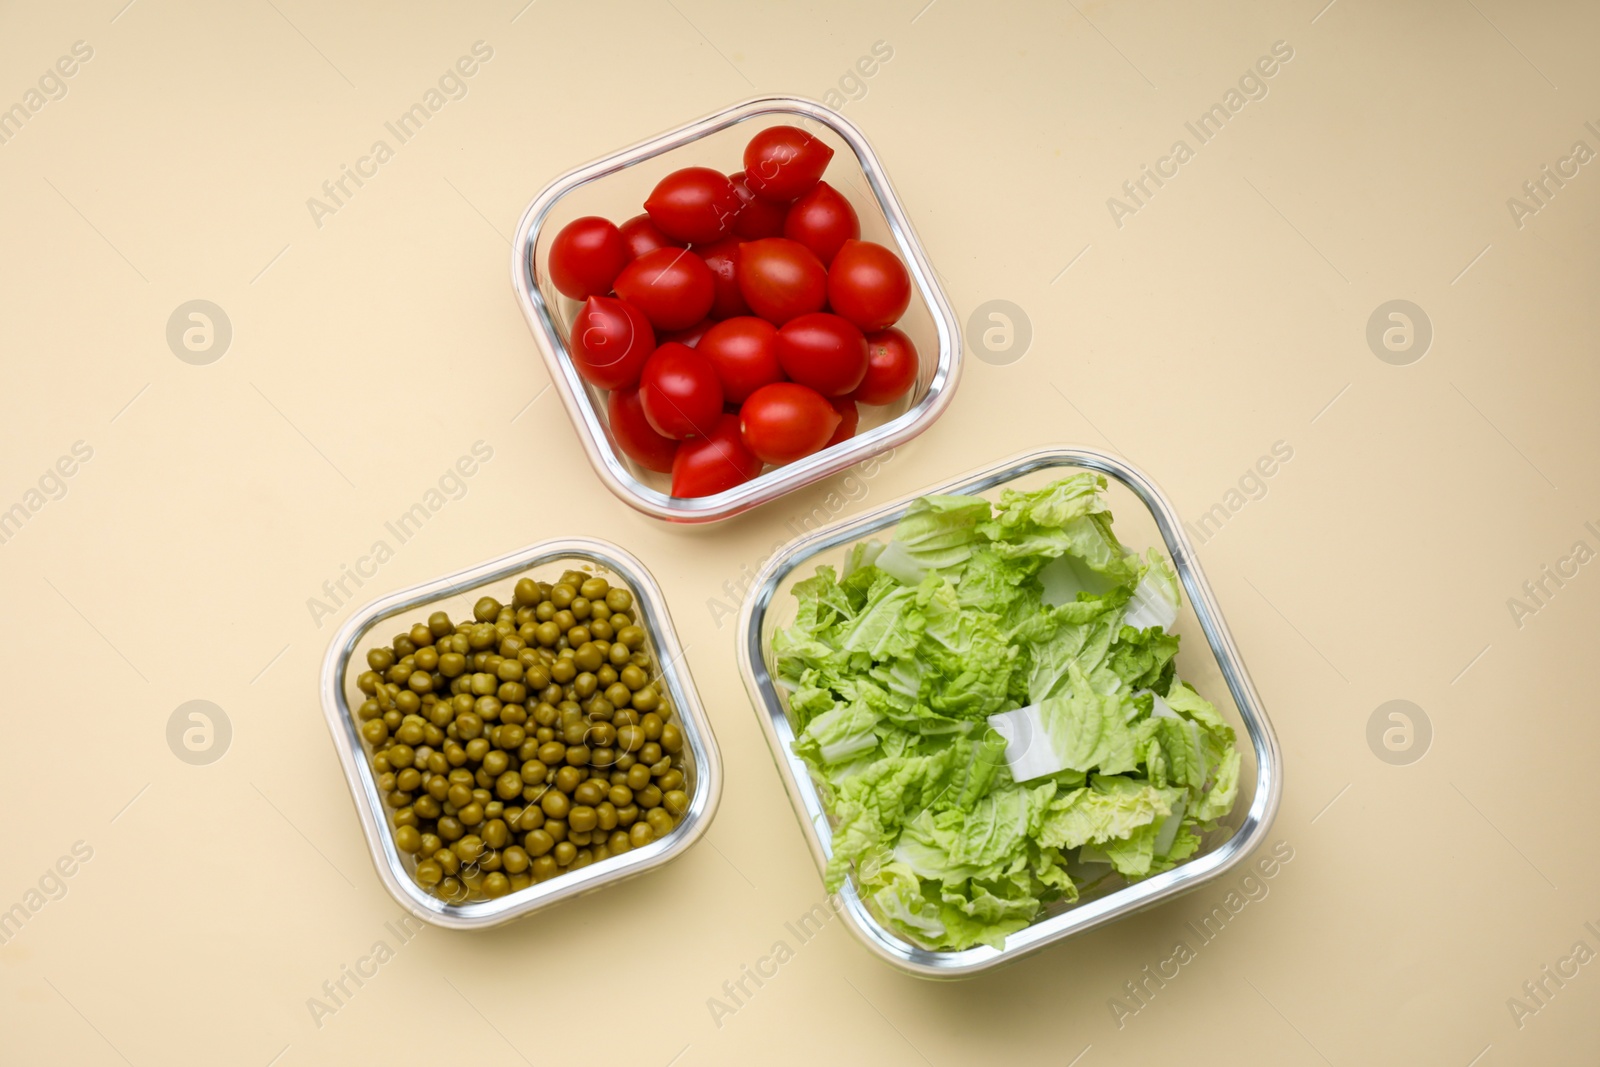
363	788
769	486
1188	875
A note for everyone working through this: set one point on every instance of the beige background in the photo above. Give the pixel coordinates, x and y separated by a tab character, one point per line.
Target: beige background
1227	314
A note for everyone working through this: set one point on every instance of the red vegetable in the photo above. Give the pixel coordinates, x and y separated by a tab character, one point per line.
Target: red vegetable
782	162
672	286
642	236
611	341
695	204
760	217
634	434
823	351
721	258
868	285
784	422
891	368
849	419
680	392
744	352
714	463
690	336
586	257
780	279
822	220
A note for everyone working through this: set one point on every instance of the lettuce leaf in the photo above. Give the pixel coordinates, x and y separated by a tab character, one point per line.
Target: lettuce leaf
971	610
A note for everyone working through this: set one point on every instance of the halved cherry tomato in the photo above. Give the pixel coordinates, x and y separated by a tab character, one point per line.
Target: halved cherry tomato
611	341
744	352
868	285
691	336
760	217
643	236
822	220
695	204
891	367
849	419
721	257
780	279
824	352
782	162
672	286
586	257
680	392
785	421
634	434
714	463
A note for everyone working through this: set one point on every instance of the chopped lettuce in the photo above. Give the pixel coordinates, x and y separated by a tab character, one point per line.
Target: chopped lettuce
971	610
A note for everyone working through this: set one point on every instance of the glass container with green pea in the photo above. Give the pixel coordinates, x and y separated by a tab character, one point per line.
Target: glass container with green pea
526	733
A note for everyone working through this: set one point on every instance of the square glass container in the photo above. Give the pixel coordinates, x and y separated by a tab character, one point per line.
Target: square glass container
615	188
1144	517
456	593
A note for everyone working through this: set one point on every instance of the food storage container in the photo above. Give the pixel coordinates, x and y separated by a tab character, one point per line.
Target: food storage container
456	594
615	187
1208	660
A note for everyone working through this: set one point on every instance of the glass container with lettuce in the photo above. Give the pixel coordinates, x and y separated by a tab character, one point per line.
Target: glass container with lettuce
990	705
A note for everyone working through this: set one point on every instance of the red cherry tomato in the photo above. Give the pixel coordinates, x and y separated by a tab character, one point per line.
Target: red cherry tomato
822	220
780	279
823	351
722	257
849	419
586	257
695	204
891	368
868	285
634	434
782	162
691	336
715	463
643	236
680	392
744	352
611	341
672	286
784	421
760	218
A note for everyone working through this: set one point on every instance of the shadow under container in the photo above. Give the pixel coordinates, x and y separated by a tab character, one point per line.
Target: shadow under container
456	593
616	186
1144	517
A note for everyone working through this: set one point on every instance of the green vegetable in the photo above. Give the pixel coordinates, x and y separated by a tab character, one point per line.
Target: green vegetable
968	611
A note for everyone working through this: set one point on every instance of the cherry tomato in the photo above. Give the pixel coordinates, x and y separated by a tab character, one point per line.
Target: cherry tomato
611	341
822	220
782	162
780	279
695	204
744	352
672	286
784	421
586	257
849	419
643	236
714	463
721	258
680	392
868	285
891	368
760	218
691	336
635	436
822	351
